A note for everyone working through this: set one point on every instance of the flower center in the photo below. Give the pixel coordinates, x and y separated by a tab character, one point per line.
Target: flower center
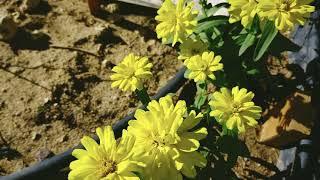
177	21
159	142
162	140
236	108
130	72
108	167
285	6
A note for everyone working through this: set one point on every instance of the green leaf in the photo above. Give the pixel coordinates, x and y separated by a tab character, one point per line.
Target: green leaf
251	36
186	73
200	100
268	34
210	22
253	72
203	36
248	42
239	37
201	96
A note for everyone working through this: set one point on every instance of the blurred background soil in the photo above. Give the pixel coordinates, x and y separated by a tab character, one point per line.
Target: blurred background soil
55	86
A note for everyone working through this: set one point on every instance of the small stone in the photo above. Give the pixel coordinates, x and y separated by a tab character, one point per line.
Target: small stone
2	104
107	64
112	8
16	70
47	99
4	90
151	42
16	17
35	136
63	138
47	127
17	113
44	154
29	5
8	28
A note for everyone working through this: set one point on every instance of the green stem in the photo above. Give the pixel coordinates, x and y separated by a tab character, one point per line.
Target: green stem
143	96
203	3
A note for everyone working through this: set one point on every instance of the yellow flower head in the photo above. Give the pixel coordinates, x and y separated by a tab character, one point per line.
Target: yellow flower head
192	47
242	10
176	22
234	110
286	13
131	73
164	134
203	66
107	160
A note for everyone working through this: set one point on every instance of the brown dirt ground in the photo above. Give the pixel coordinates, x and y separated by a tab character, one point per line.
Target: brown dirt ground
50	97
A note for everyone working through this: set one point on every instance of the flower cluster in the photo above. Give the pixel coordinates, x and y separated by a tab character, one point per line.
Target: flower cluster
176	22
165	133
161	143
284	13
163	140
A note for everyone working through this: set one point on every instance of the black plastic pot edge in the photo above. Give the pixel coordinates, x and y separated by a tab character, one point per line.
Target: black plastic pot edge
51	166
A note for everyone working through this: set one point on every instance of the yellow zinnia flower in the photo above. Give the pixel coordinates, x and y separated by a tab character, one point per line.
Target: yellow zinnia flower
164	134
242	10
234	110
203	66
286	13
108	160
192	47
131	73
177	22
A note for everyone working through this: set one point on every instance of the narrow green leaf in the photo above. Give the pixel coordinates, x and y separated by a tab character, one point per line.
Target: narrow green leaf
210	23
268	34
201	96
248	42
200	100
253	72
186	73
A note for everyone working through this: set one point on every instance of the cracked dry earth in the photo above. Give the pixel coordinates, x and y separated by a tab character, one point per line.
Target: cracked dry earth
55	84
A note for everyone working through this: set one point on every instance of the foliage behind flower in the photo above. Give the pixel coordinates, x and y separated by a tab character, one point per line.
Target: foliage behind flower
234	109
131	73
286	13
191	47
176	22
165	136
107	160
242	10
202	66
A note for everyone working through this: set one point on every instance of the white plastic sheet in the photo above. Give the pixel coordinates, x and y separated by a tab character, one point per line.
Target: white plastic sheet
157	3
